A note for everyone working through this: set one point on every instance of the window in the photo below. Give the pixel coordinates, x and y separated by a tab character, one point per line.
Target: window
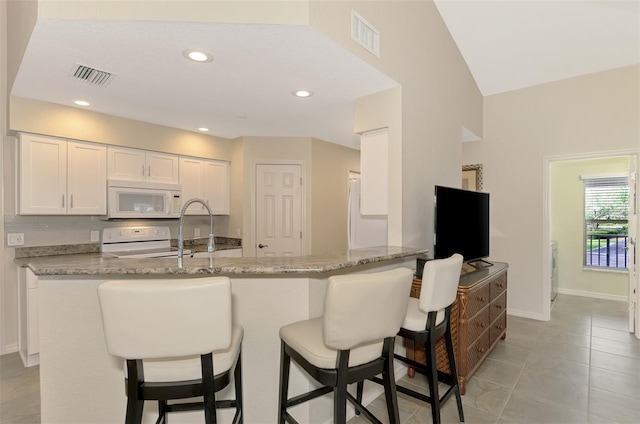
606	225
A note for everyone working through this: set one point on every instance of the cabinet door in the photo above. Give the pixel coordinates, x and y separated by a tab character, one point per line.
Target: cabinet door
86	178
43	175
216	186
191	179
162	167
374	165
126	164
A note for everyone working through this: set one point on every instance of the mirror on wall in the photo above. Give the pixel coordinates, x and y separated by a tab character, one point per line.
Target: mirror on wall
472	177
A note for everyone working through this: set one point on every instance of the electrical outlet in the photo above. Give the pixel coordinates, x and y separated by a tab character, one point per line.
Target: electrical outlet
196	232
15	239
95	235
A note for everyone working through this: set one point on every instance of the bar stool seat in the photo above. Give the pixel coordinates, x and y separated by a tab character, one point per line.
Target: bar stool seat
352	341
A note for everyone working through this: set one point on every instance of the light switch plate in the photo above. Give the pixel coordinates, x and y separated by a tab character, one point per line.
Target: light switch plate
95	235
196	232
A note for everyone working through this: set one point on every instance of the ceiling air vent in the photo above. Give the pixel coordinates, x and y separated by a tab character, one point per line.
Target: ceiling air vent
365	34
91	76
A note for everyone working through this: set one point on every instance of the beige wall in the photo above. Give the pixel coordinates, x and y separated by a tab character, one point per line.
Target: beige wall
593	113
438	98
330	164
34	116
566	212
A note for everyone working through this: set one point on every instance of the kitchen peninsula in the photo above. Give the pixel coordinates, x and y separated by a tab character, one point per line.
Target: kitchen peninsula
80	382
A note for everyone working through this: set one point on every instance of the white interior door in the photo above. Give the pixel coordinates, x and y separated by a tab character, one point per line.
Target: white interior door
634	296
278	210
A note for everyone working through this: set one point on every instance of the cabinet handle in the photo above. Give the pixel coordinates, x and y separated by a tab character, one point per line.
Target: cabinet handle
63	200
500	285
71	201
499	306
481	324
480	349
482	299
499	327
149	173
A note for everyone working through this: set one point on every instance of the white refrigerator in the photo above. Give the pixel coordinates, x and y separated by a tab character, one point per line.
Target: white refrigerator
363	231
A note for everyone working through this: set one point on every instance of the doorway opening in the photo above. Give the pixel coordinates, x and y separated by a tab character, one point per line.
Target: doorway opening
591	226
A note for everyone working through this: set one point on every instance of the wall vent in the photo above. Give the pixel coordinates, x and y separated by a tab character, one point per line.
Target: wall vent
365	34
91	76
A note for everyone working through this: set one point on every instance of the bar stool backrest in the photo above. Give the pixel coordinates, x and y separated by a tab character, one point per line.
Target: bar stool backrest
440	280
364	308
151	319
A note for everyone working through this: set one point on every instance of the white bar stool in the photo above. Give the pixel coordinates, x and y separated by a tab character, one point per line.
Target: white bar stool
428	319
352	341
178	342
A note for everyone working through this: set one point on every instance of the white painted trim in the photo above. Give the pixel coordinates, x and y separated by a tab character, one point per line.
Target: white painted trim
524	314
593	295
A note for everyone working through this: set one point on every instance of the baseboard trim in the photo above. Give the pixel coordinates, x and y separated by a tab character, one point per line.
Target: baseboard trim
524	314
593	295
10	348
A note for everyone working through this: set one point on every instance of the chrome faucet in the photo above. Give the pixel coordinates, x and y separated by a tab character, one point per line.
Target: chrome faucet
211	246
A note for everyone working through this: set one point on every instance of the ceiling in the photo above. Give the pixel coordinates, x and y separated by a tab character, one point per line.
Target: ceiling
247	89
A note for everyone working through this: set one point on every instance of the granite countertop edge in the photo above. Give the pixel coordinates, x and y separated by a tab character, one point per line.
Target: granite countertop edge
94	264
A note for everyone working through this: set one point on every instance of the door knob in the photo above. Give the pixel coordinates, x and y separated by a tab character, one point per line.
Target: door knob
262	245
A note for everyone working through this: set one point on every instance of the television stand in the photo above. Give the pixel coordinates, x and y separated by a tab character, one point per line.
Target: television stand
477	265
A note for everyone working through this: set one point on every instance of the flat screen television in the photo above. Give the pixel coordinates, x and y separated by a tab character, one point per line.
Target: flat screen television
461	223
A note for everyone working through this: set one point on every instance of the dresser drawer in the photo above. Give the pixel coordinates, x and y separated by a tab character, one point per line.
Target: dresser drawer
498	326
477	299
476	351
498	306
477	325
498	285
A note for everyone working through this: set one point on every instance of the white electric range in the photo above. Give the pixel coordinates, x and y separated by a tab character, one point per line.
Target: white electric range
139	242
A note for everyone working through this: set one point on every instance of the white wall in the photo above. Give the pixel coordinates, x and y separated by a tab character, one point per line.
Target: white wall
592	113
566	214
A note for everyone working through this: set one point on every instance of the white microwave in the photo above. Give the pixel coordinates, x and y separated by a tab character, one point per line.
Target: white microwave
140	199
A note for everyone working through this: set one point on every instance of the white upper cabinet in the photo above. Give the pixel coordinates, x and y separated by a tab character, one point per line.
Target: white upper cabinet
374	167
60	177
141	165
207	180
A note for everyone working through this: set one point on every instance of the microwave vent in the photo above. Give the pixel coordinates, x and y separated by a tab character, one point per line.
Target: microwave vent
91	75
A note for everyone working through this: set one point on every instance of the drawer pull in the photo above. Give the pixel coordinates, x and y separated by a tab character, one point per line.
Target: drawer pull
500	285
499	306
480	349
481	324
499	327
482	299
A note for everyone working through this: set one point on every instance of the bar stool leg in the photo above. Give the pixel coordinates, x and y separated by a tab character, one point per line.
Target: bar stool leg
238	383
432	379
389	383
285	364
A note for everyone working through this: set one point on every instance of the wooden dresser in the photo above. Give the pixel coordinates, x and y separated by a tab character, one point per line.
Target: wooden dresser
478	320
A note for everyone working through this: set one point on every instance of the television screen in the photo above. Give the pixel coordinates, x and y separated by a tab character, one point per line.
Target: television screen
461	223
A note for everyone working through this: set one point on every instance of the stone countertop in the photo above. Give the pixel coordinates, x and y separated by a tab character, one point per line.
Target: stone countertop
99	264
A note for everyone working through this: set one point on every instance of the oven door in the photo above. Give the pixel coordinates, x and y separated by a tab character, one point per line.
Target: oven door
128	202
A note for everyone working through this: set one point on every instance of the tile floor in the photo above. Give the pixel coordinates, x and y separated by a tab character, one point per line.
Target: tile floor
580	367
583	366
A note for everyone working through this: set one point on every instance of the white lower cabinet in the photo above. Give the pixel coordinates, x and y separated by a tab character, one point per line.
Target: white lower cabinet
207	180
28	318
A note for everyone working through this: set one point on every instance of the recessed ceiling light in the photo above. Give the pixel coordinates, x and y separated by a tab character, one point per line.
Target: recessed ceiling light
302	93
198	55
82	103
203	129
